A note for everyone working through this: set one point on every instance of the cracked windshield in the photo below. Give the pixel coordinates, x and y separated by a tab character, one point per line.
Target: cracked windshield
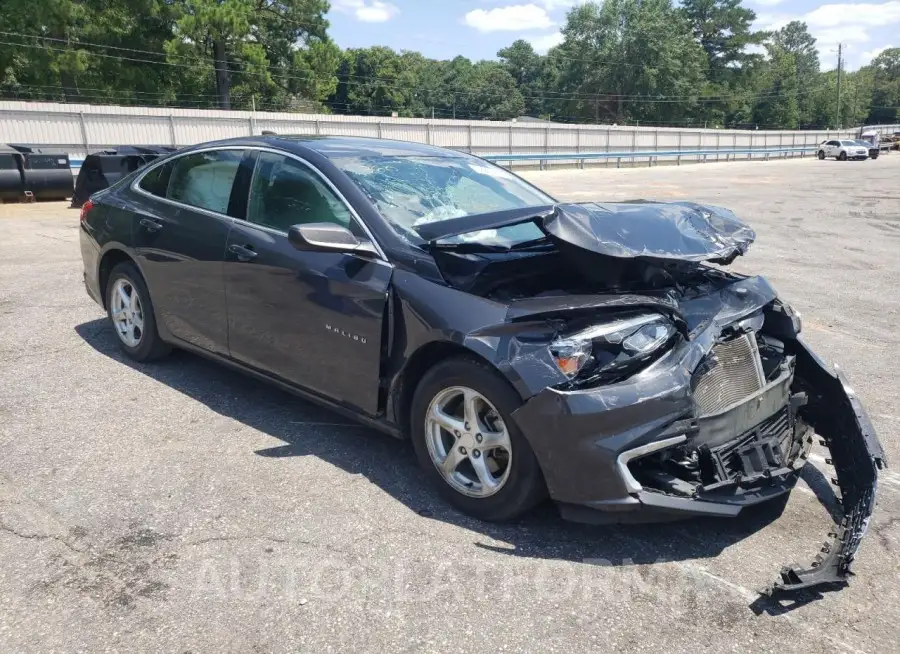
411	191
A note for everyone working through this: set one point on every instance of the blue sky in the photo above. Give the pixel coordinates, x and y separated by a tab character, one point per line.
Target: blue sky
476	29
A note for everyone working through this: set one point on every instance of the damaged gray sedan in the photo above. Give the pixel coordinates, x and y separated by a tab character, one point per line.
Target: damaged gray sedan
600	354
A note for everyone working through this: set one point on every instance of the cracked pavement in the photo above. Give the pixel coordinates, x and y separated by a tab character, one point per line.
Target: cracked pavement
180	506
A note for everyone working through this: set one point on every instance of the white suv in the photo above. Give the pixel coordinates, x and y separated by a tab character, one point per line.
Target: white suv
842	150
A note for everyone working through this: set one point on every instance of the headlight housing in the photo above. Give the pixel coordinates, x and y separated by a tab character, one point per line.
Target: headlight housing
612	349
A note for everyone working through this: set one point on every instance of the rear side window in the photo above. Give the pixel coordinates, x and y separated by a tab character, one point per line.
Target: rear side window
157	180
204	179
7	162
833	143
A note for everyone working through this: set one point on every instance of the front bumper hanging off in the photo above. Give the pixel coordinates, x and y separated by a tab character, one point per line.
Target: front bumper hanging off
841	421
587	441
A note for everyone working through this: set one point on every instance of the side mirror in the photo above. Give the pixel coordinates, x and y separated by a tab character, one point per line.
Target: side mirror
327	237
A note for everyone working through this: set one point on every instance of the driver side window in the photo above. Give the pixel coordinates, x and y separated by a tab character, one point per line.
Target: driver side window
284	192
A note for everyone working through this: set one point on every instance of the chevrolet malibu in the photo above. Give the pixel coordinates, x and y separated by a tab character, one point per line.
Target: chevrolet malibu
598	353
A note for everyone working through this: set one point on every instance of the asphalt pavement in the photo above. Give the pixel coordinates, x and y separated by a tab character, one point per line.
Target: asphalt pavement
183	507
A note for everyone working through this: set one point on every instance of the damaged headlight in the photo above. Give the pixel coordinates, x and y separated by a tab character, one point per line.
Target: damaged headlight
612	348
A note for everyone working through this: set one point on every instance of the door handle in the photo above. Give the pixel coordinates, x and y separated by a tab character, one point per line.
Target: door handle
243	252
151	225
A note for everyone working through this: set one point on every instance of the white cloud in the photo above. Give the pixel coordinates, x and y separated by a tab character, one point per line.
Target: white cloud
367	11
828	38
549	5
844	15
768	3
867	57
847	16
831	24
773	21
543	43
511	18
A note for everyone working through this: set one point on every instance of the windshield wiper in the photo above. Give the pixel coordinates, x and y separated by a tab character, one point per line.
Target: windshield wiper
532	244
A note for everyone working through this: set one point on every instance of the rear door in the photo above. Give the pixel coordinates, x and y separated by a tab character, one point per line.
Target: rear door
180	236
313	319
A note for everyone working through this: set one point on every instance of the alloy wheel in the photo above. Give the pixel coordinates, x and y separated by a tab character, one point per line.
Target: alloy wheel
127	312
468	442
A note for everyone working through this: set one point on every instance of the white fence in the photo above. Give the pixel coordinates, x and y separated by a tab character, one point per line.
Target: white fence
81	129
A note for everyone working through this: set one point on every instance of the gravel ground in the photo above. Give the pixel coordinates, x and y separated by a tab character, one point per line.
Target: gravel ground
183	507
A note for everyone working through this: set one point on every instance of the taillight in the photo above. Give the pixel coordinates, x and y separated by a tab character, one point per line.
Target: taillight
85	209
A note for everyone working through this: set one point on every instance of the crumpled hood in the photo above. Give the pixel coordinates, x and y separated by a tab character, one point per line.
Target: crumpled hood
675	231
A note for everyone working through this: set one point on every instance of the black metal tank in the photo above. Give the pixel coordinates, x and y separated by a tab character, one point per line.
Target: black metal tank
103	169
47	173
12	180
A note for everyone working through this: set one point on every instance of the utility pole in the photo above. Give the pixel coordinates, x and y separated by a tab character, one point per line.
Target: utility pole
839	123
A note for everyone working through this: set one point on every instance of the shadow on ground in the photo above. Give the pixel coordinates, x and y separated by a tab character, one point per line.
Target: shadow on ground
305	429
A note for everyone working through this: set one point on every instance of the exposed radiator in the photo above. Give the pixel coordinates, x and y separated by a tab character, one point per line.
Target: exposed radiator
730	372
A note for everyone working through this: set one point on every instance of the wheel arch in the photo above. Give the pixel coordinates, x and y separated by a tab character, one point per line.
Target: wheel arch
421	361
110	259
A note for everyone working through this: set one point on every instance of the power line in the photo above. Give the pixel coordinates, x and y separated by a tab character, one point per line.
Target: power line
349	80
375	109
389	82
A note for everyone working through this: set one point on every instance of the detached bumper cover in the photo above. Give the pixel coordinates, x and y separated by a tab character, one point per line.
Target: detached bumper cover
578	438
856	454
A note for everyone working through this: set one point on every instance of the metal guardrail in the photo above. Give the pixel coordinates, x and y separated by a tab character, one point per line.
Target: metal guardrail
588	156
650	155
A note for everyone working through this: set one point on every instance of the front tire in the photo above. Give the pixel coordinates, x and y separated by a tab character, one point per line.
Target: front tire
468	443
843	156
131	314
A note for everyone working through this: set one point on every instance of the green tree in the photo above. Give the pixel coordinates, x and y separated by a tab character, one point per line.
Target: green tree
778	105
630	55
856	98
723	30
885	71
374	81
86	50
251	37
490	93
795	39
527	70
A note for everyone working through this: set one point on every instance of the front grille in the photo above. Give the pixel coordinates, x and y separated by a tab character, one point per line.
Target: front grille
777	430
731	372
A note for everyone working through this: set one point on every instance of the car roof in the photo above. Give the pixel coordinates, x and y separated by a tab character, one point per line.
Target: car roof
339	146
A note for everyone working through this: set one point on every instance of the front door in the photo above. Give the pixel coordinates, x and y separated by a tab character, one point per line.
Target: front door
180	234
313	319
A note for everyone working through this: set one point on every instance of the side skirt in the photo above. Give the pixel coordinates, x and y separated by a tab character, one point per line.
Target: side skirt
375	423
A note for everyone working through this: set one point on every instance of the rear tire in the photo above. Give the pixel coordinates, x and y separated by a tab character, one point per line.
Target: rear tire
821	155
131	314
520	483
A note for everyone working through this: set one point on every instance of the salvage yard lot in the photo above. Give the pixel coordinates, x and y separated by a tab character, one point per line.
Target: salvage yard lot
181	506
